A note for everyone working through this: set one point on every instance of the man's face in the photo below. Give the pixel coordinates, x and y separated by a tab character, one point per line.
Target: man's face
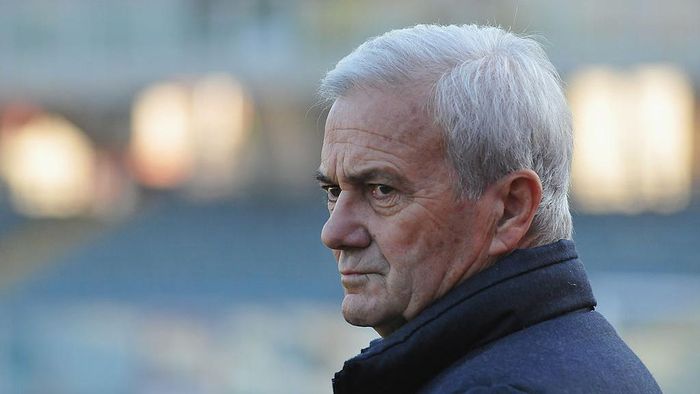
400	235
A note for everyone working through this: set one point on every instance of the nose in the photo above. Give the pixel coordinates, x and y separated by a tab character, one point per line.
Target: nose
344	228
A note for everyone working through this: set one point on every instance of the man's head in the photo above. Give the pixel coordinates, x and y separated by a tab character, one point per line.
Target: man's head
445	149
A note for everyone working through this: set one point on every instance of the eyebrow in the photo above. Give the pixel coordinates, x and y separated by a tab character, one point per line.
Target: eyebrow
321	177
371	174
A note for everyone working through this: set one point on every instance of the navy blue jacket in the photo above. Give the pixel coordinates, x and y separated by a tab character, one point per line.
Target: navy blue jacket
526	324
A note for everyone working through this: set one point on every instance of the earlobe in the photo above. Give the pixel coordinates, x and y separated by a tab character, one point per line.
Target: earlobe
519	195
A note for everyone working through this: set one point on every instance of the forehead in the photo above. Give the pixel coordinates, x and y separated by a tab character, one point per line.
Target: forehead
393	125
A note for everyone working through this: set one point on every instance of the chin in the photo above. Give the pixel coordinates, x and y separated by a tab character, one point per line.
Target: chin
362	311
359	311
356	322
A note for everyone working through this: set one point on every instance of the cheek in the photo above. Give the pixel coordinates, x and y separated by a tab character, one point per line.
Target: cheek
413	237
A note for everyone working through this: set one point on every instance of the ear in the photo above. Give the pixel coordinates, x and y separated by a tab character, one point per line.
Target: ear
518	195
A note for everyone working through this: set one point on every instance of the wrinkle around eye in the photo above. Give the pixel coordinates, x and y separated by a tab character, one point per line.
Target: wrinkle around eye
429	211
387	200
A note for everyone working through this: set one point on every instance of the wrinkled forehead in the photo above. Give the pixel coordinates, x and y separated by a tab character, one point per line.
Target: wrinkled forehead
399	117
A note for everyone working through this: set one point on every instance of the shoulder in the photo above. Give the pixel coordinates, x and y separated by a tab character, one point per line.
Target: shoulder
578	352
490	389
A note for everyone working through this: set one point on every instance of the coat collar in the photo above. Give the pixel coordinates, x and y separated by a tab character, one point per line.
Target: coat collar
524	288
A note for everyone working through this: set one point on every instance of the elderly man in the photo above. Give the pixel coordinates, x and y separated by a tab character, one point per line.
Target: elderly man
446	162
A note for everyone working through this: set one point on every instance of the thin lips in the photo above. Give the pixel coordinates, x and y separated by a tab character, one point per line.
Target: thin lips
347	272
351	269
355	280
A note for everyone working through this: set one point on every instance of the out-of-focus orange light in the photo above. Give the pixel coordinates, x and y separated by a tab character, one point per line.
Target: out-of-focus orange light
190	134
665	118
48	165
632	140
220	120
162	136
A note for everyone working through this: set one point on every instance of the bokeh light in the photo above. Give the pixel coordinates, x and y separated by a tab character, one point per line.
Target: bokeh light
48	165
221	115
162	136
190	134
633	139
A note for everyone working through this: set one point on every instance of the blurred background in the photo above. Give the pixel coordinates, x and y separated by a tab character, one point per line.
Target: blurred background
159	222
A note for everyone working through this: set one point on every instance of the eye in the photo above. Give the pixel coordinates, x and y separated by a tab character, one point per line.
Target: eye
381	192
332	192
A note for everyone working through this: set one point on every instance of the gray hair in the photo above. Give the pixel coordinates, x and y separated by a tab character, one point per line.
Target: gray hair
496	96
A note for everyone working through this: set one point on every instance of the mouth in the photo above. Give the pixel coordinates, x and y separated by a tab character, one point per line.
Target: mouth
352	280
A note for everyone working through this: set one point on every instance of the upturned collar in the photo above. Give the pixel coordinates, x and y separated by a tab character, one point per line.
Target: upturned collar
524	288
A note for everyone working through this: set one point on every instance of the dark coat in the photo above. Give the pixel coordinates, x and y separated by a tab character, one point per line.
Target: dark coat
527	324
